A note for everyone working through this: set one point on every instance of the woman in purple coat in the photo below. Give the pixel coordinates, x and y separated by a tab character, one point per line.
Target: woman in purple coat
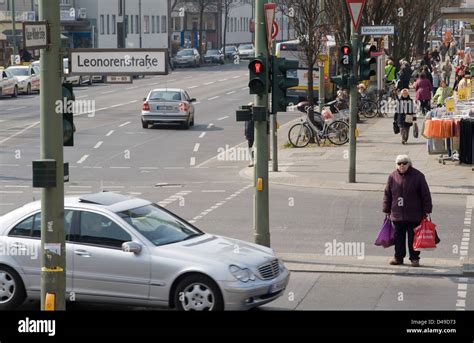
423	89
407	200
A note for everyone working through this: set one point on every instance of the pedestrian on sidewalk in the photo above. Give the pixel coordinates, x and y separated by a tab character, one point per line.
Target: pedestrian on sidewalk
249	136
443	51
443	92
404	76
436	78
407	200
447	71
452	51
405	114
423	89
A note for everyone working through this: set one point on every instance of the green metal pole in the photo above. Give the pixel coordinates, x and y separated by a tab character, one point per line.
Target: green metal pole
53	276
321	68
274	124
353	107
261	201
15	49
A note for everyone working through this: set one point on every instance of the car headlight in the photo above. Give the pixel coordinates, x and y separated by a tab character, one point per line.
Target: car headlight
242	274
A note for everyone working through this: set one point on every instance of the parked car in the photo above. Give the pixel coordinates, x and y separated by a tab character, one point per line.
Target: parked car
27	78
246	51
8	84
168	105
230	52
76	80
187	58
131	251
214	56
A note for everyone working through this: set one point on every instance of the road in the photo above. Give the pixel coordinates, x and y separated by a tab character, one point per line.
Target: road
182	171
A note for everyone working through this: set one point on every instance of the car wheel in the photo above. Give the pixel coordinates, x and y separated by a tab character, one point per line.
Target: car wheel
144	124
28	89
90	81
80	81
12	290
198	293
15	92
186	124
192	121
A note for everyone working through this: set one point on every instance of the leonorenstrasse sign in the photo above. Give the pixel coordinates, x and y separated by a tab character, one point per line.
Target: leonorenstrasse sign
377	30
118	61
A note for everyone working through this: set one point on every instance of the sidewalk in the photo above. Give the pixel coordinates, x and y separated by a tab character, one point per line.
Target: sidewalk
377	148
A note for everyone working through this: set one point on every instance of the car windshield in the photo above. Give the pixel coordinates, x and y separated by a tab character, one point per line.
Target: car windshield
19	71
230	48
164	96
246	47
212	52
159	226
185	53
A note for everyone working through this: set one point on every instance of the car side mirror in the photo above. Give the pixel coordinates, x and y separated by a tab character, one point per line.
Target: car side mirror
132	247
144	99
192	100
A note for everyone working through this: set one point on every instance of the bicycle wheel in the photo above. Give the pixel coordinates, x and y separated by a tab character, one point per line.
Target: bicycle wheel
338	132
369	109
299	135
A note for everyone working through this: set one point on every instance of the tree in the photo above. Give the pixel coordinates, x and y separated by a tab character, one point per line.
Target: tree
227	6
202	7
310	29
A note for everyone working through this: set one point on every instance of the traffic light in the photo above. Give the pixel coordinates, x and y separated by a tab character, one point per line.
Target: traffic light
258	77
346	56
68	115
341	80
366	61
281	82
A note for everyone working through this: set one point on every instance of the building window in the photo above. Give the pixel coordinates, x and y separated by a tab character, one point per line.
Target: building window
164	27
137	24
146	23
157	24
152	24
120	9
131	24
102	24
108	24
114	24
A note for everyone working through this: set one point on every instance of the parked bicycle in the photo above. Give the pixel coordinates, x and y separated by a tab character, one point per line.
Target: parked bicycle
301	134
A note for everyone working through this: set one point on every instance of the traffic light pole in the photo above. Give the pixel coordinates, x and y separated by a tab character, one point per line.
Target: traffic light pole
261	199
53	259
353	106
274	125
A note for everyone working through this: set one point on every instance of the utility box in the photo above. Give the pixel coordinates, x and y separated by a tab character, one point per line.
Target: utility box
44	173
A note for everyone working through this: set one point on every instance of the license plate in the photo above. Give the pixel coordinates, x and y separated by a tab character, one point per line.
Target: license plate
277	286
164	108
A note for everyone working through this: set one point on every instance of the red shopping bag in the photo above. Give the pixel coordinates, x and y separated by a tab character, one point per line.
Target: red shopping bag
425	235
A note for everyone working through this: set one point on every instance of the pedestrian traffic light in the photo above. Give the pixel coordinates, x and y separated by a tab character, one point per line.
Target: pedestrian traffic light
281	82
341	80
366	61
258	77
346	56
68	114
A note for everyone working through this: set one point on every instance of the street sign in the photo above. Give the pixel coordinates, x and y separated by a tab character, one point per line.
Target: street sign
276	30
355	10
378	30
269	22
118	62
36	35
119	79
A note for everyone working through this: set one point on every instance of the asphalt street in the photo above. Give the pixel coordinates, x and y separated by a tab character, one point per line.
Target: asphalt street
182	171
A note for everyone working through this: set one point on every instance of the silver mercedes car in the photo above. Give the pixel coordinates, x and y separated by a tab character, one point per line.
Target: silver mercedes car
131	251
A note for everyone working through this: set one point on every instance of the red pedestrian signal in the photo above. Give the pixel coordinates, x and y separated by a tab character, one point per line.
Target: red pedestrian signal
258	77
257	67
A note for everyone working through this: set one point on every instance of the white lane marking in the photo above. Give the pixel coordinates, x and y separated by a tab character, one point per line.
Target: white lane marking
210	126
149	168
188	77
80	187
213	191
19	132
110	133
115	187
196	147
178	196
120	167
202	134
108	92
229	93
209	83
192	87
16	186
97	146
6	204
192	163
236	77
9	165
125	124
223	80
197	103
82	96
217	205
11	192
223	118
244	89
15	108
83	158
130	88
132	102
214	98
173	168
